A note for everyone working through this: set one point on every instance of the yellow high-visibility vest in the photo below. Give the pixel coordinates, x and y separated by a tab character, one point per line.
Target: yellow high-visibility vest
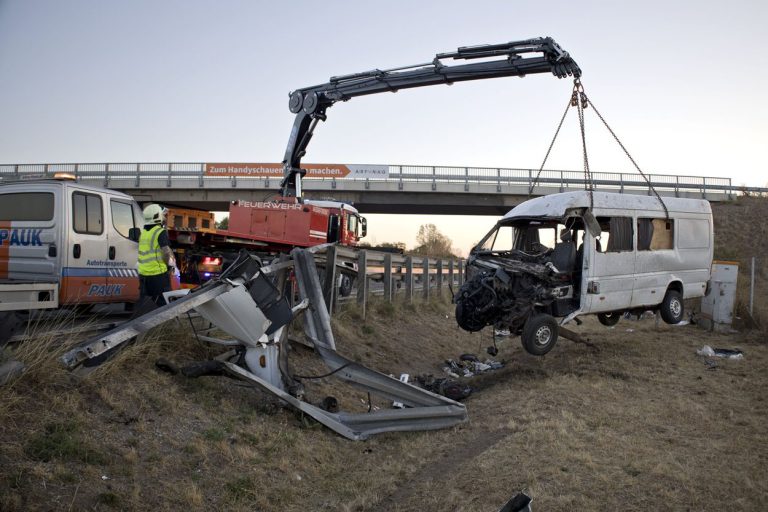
150	254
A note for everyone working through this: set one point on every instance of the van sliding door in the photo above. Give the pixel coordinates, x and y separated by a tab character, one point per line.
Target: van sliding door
613	265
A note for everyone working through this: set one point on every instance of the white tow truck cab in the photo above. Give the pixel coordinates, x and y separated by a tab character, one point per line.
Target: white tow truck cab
63	243
565	255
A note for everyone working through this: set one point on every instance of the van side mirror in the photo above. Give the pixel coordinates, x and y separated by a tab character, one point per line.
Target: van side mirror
134	234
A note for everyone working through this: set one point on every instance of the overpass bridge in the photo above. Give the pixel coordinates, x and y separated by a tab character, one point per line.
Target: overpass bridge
372	189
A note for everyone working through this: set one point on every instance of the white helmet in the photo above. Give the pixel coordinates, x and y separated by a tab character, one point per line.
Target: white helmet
153	214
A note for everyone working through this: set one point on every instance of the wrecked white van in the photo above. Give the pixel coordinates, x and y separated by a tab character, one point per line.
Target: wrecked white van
564	255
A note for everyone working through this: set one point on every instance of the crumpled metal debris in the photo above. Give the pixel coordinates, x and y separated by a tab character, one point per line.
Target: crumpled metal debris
469	365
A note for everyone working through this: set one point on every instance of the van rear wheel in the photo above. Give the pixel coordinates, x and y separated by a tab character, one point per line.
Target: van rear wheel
672	308
539	334
609	319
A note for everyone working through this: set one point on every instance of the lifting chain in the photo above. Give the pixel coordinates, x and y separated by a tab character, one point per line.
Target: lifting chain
580	100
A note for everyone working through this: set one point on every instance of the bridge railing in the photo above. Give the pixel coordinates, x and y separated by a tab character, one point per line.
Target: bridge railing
192	174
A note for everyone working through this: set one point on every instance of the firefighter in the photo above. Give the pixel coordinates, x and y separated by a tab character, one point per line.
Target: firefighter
155	257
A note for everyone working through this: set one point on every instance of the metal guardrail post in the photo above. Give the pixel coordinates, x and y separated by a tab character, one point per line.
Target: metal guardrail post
362	280
730	190
439	277
329	285
409	278
425	277
450	273
461	273
388	278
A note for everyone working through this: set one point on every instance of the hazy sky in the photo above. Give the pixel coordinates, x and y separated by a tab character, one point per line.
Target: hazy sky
684	84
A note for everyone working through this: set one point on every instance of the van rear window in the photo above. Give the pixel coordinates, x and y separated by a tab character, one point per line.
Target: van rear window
29	206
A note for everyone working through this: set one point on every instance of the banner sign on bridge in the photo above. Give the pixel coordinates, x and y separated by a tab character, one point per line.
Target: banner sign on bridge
337	171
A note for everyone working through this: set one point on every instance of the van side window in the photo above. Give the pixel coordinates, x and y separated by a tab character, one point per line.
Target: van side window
122	217
87	214
29	206
617	234
655	234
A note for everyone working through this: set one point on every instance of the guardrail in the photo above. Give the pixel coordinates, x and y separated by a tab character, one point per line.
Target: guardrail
184	175
397	273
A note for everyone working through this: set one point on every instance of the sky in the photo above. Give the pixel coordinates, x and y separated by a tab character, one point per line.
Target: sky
683	84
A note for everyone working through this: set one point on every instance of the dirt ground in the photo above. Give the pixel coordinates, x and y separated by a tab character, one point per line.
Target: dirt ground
637	421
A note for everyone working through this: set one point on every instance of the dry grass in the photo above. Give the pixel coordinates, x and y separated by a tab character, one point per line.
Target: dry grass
640	423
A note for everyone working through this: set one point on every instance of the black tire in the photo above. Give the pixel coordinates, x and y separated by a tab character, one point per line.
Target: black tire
672	308
345	289
609	319
539	334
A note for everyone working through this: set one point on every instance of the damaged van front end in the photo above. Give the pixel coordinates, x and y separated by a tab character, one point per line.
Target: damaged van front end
553	258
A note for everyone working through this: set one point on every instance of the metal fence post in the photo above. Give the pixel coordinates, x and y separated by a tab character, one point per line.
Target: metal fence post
461	273
168	184
498	180
201	175
466	179
439	278
106	175
425	277
450	274
752	290
362	280
409	278
137	182
704	188
388	278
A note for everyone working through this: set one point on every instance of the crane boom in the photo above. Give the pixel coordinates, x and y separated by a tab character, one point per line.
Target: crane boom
501	60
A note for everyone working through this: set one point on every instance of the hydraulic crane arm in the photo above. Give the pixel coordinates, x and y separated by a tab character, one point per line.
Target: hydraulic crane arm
310	103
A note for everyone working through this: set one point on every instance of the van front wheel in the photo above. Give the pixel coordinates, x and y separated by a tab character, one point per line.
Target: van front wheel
609	319
672	309
539	334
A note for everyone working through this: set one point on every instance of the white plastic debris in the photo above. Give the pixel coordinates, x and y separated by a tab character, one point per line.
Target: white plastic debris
708	351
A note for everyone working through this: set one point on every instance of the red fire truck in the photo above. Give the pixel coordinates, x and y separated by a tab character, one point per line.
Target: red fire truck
266	228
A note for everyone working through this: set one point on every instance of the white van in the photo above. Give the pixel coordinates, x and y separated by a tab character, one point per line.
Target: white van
570	254
62	243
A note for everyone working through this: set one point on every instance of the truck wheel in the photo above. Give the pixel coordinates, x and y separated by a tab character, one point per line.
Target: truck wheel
539	334
345	288
609	319
672	308
11	323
